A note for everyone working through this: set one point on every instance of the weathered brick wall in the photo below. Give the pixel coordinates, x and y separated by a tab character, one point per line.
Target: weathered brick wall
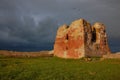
81	40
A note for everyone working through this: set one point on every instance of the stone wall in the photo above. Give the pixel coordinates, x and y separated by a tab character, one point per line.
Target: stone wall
80	39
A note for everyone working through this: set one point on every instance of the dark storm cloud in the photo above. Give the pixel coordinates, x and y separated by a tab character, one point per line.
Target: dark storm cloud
34	22
28	31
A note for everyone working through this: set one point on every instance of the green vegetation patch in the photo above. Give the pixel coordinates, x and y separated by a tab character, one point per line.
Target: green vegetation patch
52	68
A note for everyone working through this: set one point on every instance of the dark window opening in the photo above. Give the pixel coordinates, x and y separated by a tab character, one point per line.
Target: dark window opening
104	31
67	37
94	35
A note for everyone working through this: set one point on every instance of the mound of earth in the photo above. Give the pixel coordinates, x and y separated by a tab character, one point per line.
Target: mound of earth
26	54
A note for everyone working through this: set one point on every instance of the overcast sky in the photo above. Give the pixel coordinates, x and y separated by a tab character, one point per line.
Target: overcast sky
32	24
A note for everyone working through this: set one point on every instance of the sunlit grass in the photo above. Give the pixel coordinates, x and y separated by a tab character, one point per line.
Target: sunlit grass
52	68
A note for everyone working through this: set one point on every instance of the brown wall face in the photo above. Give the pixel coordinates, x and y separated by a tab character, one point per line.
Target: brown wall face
60	42
101	44
88	38
76	40
81	40
71	43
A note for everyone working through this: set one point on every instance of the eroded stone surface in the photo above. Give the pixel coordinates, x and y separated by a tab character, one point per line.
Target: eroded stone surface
81	40
60	42
100	46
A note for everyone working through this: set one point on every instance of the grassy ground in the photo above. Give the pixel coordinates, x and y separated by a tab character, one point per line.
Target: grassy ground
53	68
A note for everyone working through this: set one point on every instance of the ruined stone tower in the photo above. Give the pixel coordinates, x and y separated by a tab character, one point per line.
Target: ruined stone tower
81	40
